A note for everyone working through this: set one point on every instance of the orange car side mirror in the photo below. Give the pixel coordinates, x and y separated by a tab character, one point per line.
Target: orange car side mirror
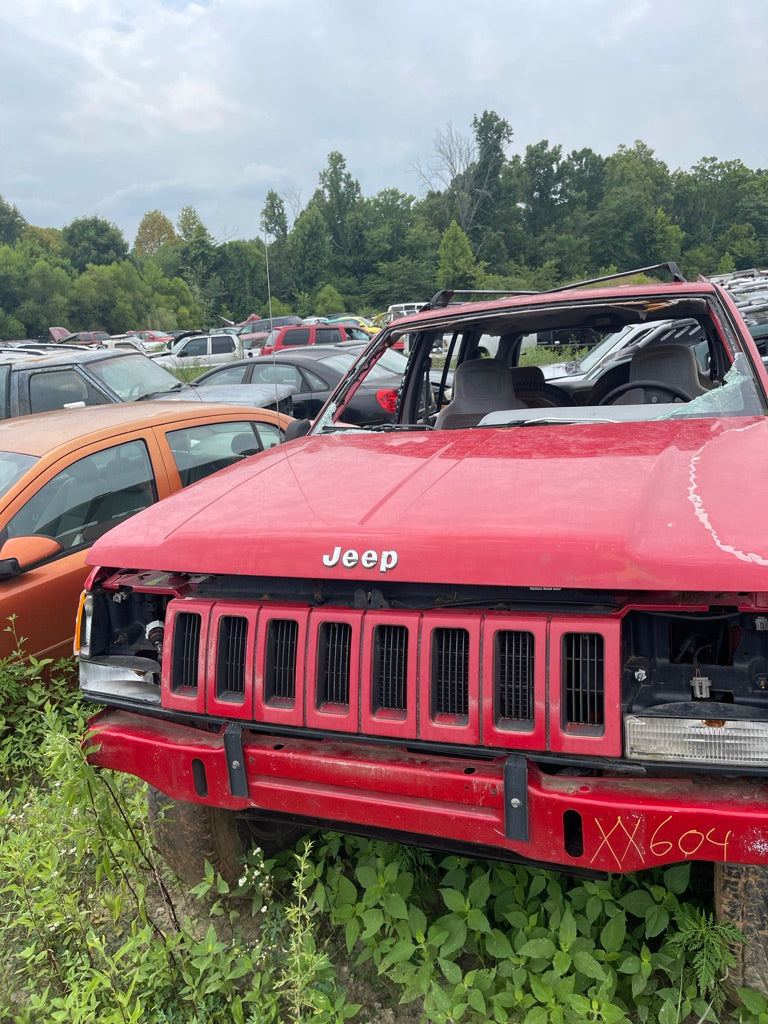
19	553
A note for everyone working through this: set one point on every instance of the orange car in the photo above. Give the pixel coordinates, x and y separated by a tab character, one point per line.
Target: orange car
66	477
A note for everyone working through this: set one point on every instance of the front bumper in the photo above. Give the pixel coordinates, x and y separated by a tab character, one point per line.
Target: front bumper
506	803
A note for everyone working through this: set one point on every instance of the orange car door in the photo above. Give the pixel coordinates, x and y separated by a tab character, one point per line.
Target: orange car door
83	497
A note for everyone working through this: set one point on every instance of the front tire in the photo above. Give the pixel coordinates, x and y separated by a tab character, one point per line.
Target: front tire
187	835
741	896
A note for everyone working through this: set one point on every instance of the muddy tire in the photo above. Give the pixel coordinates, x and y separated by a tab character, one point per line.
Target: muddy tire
741	896
187	835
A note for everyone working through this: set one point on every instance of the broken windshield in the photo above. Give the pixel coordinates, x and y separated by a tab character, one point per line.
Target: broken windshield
672	354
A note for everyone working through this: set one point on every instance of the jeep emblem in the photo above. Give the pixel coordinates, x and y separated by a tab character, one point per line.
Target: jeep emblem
368	559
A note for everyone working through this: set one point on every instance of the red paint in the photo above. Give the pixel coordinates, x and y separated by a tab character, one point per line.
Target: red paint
627	824
600	506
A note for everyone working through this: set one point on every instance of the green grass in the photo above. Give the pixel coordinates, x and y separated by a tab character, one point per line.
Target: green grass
94	928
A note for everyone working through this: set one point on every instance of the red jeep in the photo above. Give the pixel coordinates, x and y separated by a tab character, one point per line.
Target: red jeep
526	623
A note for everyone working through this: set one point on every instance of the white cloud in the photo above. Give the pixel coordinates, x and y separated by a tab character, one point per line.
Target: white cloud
120	106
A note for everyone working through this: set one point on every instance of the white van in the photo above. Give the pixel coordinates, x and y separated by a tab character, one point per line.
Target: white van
403	309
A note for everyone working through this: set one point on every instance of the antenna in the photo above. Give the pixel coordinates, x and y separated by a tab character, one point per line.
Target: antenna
269	290
271	324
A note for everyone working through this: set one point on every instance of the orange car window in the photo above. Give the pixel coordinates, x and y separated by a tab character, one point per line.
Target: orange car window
202	450
89	497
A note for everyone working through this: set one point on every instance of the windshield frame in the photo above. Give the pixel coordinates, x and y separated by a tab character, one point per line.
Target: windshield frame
716	322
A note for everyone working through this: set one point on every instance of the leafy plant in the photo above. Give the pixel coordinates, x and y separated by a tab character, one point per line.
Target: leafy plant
707	944
39	697
94	927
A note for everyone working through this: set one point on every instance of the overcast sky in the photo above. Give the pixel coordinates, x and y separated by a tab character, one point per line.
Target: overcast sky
116	107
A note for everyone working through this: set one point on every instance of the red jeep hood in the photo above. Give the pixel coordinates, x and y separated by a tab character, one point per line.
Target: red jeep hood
666	505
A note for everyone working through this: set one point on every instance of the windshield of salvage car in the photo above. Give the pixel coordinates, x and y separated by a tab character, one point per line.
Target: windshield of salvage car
133	377
13	466
672	355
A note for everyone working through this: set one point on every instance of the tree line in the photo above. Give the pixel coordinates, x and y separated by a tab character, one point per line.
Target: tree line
489	218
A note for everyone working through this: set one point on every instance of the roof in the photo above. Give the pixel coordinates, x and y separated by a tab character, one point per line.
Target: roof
43	431
566	297
67	354
749	291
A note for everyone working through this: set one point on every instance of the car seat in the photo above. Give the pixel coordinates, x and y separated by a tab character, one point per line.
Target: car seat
527	376
670	364
244	444
480	386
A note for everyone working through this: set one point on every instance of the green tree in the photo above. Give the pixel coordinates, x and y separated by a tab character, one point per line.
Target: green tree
337	199
412	275
492	135
43	241
328	301
707	198
456	266
626	226
93	240
241	270
14	269
387	218
195	251
542	181
191	227
273	220
11	329
113	298
309	249
154	230
12	224
171	303
47	299
582	181
742	243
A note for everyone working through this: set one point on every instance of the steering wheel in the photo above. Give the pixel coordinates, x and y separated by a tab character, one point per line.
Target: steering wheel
659	385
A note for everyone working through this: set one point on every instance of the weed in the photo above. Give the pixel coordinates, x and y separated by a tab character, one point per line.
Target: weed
94	927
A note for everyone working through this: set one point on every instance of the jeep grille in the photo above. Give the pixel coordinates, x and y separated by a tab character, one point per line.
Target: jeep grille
513	676
388	672
280	660
333	659
450	671
583	681
186	650
498	678
230	657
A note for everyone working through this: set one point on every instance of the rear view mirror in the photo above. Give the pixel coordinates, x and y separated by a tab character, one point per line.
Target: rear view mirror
20	553
299	428
9	567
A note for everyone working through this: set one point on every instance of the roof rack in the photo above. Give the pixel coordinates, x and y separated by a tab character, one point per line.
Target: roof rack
442	298
671	267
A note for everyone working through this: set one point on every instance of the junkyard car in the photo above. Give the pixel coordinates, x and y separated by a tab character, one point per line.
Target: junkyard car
313	373
200	350
67	477
303	335
515	622
38	381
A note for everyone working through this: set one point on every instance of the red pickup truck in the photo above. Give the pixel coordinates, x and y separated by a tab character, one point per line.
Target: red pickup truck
512	622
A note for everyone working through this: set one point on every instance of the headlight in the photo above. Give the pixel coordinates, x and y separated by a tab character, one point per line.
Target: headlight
83	622
708	741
